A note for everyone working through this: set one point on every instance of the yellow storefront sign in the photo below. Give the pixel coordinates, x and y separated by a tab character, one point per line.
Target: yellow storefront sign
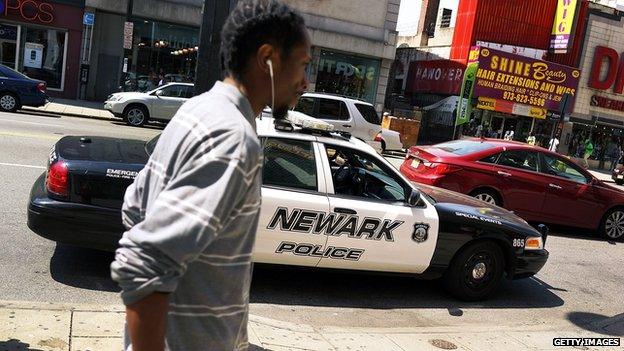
485	103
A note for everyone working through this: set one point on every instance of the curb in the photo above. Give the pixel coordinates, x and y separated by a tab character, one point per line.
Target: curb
30	109
307	329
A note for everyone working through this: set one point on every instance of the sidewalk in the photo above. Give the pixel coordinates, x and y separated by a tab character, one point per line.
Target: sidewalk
73	108
53	327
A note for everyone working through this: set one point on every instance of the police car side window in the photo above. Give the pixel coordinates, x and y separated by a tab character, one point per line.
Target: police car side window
356	174
290	164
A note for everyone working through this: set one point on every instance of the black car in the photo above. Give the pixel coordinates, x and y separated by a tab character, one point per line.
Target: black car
17	90
365	216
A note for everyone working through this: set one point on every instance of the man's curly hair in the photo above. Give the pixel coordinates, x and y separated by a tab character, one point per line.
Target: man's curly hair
254	23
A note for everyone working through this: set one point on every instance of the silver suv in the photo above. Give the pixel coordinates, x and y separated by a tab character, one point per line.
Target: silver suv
354	116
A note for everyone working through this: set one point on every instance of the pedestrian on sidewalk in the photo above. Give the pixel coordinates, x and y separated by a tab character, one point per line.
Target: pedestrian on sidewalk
184	263
589	150
616	155
553	145
531	139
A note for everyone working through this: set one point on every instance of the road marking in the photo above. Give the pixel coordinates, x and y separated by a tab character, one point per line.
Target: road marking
35	123
18	165
30	135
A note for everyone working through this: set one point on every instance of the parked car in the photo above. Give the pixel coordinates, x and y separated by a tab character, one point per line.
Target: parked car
328	201
160	104
390	140
17	90
538	185
349	115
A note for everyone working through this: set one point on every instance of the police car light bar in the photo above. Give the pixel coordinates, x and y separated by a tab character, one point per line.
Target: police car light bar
306	122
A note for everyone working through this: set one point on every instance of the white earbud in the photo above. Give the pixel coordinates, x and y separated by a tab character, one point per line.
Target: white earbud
270	64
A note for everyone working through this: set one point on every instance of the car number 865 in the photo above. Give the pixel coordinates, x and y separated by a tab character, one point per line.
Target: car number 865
518	242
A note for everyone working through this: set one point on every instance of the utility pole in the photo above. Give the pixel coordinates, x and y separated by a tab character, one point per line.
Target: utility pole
208	70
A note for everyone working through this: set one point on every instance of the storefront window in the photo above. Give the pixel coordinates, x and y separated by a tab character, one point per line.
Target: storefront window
42	55
162	53
348	75
600	135
8	45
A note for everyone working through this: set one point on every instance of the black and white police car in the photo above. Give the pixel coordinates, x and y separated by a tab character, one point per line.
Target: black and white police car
329	201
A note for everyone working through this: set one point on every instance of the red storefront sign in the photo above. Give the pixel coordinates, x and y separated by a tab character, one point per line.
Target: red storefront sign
607	103
436	77
28	10
615	70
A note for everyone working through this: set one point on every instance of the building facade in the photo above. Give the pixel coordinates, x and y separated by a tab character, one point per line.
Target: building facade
599	105
517	32
353	45
42	40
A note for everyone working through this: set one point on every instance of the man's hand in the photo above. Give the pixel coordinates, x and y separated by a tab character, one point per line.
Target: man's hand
147	322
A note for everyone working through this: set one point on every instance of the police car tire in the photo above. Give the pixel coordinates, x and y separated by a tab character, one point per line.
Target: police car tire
459	278
619	182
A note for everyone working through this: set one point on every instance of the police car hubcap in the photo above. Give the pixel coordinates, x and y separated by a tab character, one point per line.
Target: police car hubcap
135	116
479	270
614	226
7	102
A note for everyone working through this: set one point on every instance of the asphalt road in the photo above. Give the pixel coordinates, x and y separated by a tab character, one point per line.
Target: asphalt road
582	281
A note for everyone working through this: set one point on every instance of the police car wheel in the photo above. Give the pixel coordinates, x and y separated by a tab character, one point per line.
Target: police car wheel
475	273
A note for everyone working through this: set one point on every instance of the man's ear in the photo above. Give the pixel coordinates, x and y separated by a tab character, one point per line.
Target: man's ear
265	53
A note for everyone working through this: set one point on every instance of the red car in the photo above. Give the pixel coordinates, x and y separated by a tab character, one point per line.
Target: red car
538	185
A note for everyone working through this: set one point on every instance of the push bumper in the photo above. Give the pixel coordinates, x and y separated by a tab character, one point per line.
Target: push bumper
70	223
529	263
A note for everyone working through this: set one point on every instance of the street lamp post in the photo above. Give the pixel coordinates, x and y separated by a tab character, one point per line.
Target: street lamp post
214	14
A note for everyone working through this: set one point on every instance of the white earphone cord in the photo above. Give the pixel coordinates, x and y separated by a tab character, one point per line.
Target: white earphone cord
272	89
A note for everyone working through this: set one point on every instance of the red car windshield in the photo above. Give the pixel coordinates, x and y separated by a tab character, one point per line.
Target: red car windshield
464	147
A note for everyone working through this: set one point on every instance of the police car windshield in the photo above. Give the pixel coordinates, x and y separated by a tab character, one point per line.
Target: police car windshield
464	147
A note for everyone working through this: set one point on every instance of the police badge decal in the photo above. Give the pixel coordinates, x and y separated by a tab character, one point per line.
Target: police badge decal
421	232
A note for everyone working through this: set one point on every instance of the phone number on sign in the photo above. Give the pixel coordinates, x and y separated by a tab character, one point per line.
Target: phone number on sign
524	99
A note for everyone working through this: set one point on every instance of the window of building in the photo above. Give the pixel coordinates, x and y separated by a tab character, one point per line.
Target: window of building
8	45
42	55
446	18
161	52
348	75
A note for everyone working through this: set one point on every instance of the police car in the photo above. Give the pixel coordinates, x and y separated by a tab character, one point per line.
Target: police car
329	201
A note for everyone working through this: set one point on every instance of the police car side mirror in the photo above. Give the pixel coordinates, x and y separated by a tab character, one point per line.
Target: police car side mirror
414	197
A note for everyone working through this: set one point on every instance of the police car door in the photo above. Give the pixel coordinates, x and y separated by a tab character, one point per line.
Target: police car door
293	196
374	227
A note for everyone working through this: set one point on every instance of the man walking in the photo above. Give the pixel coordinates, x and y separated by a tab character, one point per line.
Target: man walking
184	265
589	150
616	155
